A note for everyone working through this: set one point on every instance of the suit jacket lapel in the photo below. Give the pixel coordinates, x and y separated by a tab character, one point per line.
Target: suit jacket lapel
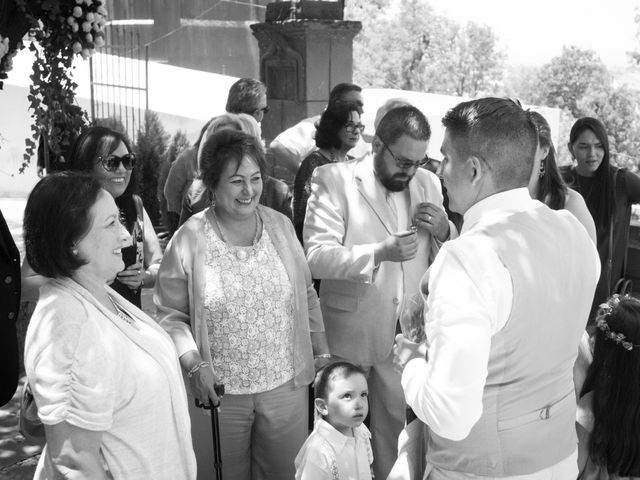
373	195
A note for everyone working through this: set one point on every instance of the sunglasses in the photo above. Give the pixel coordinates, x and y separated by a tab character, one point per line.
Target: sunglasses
351	127
111	162
405	164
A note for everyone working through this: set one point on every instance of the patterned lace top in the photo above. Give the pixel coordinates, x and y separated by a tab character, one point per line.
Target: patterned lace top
249	304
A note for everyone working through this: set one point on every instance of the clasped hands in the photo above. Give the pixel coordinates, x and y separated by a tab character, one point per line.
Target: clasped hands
403	246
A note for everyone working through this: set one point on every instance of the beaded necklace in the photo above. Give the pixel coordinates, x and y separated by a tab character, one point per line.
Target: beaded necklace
239	251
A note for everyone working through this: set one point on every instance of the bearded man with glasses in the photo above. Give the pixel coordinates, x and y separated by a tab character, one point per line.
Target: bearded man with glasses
372	228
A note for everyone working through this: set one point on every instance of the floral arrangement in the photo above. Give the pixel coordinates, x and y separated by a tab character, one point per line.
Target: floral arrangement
58	31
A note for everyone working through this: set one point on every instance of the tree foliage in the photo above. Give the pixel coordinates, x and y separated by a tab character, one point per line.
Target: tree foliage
150	148
569	77
406	45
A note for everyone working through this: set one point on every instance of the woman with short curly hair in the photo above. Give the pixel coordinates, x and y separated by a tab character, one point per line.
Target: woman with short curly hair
337	132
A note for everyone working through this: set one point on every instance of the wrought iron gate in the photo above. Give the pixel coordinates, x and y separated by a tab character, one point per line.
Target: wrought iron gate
119	76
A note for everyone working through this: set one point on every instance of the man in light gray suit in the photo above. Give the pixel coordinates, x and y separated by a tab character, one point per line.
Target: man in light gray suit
372	228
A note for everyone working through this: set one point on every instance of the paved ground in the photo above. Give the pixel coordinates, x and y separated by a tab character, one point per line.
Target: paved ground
18	458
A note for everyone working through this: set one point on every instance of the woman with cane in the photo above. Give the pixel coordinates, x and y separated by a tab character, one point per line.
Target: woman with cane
235	294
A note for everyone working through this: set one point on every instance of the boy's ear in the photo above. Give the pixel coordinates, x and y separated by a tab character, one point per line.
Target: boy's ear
321	406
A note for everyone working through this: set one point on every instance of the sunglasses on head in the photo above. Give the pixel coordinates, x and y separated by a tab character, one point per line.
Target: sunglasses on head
111	162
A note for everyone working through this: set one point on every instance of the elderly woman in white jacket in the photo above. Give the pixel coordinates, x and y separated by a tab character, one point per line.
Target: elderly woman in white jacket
105	376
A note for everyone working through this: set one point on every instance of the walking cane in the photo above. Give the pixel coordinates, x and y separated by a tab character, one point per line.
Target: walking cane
215	429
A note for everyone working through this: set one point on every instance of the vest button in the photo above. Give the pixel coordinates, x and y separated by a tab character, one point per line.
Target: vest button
8	279
11	315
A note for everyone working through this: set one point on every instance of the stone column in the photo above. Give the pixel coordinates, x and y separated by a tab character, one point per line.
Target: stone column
302	59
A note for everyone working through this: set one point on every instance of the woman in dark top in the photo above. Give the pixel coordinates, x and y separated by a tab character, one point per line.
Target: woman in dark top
106	154
609	193
337	132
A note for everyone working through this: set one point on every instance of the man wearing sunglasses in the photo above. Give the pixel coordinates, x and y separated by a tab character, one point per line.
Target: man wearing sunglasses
372	228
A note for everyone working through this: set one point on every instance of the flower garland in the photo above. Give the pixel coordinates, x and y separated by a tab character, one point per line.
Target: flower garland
604	311
58	31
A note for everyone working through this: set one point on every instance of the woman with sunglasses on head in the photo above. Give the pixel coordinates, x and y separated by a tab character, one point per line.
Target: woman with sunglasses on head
106	154
337	132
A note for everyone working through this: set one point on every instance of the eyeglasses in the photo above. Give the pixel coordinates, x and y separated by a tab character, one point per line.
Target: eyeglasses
111	162
351	127
403	163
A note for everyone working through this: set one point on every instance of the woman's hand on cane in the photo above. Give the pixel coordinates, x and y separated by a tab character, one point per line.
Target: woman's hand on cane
202	385
202	378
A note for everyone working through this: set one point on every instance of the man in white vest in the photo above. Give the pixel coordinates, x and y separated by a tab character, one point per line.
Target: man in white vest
506	305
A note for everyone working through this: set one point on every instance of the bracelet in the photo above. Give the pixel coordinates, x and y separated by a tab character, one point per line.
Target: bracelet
197	367
322	355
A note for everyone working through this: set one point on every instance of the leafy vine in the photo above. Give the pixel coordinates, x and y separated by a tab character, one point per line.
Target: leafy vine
58	30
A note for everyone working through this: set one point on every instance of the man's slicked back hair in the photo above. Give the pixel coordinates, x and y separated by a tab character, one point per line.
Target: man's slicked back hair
500	133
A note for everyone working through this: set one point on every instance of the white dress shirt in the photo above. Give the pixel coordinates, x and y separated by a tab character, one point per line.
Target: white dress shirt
470	299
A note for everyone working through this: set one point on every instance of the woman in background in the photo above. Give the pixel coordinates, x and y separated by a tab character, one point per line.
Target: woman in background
107	155
546	183
337	132
609	193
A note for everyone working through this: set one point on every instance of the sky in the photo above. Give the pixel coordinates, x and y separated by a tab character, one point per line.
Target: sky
534	31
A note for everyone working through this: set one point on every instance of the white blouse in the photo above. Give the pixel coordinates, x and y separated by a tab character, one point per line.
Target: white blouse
95	371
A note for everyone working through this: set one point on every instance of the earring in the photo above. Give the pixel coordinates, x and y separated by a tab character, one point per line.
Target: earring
542	170
74	251
212	203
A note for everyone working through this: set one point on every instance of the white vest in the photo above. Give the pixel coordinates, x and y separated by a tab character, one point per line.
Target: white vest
529	404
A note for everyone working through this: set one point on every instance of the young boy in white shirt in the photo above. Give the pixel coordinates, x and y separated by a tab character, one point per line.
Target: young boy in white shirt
339	447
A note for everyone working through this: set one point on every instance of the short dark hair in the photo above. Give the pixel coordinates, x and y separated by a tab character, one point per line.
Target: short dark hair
56	217
92	143
500	133
328	373
225	146
333	119
405	120
340	90
244	95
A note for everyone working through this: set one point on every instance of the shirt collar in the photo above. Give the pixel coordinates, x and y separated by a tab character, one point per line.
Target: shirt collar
337	439
510	201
